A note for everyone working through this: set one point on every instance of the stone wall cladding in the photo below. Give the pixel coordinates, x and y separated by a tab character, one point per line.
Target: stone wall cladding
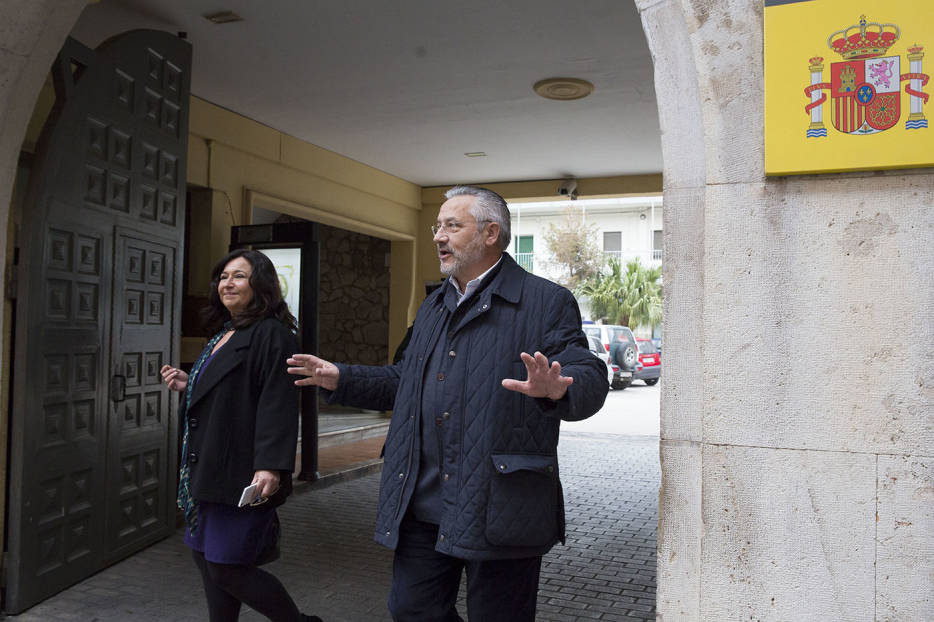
789	535
667	25
31	34
904	556
818	294
680	533
809	410
683	274
354	305
679	110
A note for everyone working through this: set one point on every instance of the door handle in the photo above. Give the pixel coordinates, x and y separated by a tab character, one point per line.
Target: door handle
118	388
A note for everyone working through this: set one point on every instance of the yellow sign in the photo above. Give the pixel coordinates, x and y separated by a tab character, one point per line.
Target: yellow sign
845	86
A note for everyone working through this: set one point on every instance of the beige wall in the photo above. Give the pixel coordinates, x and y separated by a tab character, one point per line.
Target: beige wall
248	165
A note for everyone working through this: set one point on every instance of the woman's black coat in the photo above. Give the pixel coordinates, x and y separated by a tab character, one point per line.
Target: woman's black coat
243	414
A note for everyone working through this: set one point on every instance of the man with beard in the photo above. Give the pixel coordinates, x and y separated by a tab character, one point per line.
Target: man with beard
470	478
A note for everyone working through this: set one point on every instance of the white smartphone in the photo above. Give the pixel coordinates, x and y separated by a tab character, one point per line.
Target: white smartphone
249	495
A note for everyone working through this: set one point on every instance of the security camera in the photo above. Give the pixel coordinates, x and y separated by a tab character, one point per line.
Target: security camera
568	188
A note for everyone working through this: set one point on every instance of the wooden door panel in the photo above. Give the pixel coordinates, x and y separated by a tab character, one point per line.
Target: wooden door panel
140	443
59	458
92	459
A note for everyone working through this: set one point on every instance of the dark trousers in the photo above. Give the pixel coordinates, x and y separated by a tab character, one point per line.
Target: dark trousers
425	583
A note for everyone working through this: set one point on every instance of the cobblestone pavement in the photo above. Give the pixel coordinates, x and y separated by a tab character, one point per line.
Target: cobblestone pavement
334	569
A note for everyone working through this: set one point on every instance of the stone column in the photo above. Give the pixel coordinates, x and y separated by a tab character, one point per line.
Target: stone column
797	476
31	34
916	118
668	25
817	99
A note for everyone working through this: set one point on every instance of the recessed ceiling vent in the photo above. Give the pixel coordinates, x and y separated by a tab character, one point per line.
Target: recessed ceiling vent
563	88
223	17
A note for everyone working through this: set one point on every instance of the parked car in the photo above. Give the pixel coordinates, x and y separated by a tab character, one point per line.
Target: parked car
650	362
627	359
600	352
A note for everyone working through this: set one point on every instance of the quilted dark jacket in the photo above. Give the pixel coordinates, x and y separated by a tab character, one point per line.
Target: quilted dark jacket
500	490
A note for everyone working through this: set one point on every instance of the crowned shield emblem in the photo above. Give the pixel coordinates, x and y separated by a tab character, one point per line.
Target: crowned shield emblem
865	87
865	95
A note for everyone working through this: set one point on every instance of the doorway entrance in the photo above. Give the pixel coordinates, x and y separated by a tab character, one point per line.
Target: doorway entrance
93	449
344	294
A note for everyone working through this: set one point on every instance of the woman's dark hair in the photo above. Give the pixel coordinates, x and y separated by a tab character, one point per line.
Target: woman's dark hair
267	295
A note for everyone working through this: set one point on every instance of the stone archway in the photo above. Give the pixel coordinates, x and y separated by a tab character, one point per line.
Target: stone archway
797	421
40	29
799	487
33	34
30	39
669	37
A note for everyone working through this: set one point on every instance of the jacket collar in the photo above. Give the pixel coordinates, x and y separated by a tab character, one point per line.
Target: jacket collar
229	356
507	284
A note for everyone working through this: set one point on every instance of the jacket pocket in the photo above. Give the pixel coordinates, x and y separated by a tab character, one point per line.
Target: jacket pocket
522	506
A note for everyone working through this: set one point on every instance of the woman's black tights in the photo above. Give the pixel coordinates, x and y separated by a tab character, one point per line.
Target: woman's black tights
228	585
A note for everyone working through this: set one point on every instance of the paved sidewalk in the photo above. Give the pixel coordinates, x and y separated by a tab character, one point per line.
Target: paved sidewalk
334	569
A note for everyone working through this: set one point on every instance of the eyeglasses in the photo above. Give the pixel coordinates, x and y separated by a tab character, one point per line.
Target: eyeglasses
451	227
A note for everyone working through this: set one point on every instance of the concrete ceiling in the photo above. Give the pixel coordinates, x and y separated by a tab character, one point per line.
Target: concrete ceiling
410	86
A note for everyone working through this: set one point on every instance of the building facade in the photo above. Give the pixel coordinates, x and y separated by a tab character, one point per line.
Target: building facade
624	229
799	486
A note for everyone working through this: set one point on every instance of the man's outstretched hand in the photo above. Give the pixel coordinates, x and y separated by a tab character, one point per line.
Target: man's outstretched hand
319	372
544	380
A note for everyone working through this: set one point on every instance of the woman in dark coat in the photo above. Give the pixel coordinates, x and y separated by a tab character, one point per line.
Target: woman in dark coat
239	426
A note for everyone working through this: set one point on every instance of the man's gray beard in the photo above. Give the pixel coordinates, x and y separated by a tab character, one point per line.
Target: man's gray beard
471	253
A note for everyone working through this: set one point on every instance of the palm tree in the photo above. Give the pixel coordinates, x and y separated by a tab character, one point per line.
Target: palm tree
603	292
632	297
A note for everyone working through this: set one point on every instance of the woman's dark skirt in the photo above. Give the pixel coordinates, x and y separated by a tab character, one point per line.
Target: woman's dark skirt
232	535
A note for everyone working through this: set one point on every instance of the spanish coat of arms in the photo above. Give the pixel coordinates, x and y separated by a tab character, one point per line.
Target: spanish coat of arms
865	87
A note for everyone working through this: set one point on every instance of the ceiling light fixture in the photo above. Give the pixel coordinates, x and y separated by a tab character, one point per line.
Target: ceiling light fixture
475	154
222	17
563	88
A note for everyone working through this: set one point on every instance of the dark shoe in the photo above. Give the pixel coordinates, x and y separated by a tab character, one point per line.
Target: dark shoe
311	618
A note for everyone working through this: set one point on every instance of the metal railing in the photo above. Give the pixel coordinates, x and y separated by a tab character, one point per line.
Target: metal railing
646	257
526	260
